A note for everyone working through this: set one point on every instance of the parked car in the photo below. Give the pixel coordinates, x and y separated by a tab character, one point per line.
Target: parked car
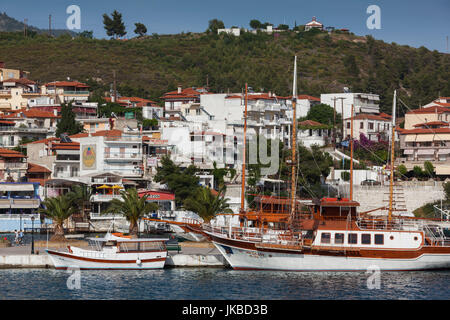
370	182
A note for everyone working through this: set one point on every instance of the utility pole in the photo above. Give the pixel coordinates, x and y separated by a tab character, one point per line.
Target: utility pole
50	25
334	120
114	86
342	115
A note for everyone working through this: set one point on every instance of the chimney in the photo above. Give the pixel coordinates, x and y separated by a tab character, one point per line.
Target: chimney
179	88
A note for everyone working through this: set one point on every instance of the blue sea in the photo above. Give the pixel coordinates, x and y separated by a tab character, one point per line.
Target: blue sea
220	283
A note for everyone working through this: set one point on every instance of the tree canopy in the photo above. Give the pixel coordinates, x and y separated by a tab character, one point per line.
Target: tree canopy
214	25
114	25
67	123
141	29
255	24
322	113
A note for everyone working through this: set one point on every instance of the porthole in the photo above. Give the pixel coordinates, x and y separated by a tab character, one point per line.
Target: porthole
391	237
415	238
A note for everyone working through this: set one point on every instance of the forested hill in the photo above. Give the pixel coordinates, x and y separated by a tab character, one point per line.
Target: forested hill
151	65
9	24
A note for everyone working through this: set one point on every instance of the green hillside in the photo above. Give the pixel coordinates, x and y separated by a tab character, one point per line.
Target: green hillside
150	66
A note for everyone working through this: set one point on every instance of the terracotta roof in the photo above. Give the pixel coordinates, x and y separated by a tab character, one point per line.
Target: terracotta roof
426	130
67	84
385	115
432	109
432	123
24	81
46	141
185	93
104	133
7	153
311	123
443	104
35	168
66	146
32	113
140	102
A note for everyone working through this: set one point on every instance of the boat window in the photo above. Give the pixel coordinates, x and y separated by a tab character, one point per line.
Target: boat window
339	238
325	238
141	246
379	239
110	243
352	238
365	238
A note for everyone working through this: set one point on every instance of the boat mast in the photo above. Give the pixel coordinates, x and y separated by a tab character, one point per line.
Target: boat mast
245	151
294	140
391	184
351	154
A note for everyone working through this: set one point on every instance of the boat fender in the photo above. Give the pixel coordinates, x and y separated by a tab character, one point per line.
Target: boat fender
138	262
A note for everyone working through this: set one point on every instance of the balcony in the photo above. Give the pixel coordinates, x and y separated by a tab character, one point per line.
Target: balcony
123	156
13	165
22	202
123	139
104	197
68	92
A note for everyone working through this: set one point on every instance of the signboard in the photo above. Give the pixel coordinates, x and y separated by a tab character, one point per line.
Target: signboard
89	157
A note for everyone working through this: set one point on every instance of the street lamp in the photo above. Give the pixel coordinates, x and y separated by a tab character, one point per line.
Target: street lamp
32	235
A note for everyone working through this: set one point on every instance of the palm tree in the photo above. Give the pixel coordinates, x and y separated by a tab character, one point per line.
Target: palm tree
132	207
58	209
81	196
207	204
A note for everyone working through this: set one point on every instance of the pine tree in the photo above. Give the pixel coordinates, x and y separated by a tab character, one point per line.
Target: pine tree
68	124
141	29
114	26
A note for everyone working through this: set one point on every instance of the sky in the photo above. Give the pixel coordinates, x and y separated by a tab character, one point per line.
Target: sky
406	22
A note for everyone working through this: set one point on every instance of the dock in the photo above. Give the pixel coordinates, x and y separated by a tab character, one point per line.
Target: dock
192	254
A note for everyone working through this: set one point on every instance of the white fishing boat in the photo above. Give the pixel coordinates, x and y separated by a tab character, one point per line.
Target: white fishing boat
114	252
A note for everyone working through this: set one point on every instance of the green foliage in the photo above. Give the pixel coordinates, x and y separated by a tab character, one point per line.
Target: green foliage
418	172
345	175
67	123
141	29
429	168
214	25
206	204
87	34
183	183
402	171
114	25
148	124
255	24
283	27
322	113
132	207
446	187
58	209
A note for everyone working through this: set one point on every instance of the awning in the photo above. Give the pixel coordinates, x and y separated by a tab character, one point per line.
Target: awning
442	137
410	138
16	187
442	170
443	151
424	137
408	151
425	152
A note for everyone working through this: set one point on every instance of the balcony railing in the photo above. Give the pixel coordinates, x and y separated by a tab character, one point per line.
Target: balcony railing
76	92
124	156
13	165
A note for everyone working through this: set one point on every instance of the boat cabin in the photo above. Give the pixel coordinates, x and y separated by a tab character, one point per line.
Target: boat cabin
335	209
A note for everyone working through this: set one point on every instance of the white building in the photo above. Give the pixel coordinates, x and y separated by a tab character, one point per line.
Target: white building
374	127
363	102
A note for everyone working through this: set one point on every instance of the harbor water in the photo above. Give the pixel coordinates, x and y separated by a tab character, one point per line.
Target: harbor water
220	283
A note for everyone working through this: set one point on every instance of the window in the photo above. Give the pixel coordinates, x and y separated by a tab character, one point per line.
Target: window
365	239
371	125
352	238
348	125
379	239
339	238
325	238
361	125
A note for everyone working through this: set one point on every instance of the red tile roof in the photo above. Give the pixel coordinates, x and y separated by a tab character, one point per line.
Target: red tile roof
46	141
66	146
425	130
140	102
432	123
103	133
35	168
7	153
311	123
24	81
67	84
32	113
185	93
432	109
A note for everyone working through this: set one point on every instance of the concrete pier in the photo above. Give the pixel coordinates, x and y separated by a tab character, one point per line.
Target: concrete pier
191	255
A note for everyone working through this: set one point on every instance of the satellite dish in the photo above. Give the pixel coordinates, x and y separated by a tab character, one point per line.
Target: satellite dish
346	90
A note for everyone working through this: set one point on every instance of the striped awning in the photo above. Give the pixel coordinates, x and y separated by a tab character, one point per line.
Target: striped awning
444	151
424	137
410	138
425	151
442	137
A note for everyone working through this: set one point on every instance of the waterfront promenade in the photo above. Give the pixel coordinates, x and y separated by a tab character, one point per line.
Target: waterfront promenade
192	254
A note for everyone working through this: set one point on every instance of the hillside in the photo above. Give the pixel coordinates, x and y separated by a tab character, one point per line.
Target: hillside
9	24
150	66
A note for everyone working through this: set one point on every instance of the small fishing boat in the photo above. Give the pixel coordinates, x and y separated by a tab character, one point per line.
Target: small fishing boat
114	252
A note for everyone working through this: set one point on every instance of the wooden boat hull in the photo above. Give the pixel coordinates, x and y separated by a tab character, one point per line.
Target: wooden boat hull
245	255
122	261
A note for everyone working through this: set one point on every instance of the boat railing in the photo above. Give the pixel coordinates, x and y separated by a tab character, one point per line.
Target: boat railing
266	236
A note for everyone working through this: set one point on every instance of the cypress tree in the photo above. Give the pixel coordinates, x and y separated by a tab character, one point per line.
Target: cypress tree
68	124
